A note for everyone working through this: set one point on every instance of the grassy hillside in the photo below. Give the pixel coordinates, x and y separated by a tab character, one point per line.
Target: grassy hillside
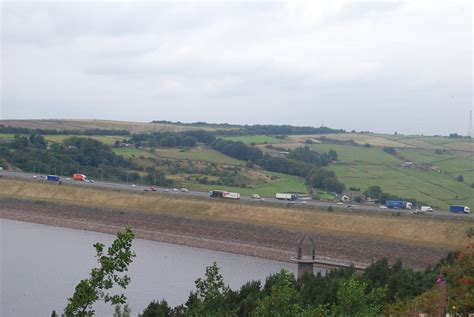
253	139
361	161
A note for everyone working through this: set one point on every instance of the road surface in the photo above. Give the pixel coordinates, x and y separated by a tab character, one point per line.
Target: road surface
439	214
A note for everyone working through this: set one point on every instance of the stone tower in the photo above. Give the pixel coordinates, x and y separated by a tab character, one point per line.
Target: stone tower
305	255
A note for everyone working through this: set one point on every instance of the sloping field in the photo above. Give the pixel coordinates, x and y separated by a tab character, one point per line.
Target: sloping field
349	153
256	139
279	183
414	230
431	187
200	154
359	138
131	152
136	127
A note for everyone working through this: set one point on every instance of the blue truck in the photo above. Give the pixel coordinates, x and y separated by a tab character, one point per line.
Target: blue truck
53	178
459	209
398	204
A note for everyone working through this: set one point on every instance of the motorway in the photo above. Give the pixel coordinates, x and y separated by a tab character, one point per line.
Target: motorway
302	202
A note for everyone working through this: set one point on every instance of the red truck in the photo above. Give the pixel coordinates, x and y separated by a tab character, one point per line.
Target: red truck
79	177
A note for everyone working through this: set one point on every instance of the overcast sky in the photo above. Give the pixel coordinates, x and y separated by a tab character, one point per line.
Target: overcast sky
378	66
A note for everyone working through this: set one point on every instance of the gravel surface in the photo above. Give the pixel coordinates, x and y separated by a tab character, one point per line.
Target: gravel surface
255	240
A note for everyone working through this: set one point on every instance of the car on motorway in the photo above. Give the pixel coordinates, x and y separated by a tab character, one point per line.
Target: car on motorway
351	206
184	190
340	203
303	202
383	207
167	190
175	189
153	189
133	185
255	196
34	176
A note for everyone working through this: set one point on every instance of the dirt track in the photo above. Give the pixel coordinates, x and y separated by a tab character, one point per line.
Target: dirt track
262	241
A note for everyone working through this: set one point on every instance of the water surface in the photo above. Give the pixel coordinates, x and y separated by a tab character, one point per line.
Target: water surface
40	266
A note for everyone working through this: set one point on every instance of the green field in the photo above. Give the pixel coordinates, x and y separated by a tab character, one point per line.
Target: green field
282	183
253	139
198	155
130	152
437	189
6	136
357	154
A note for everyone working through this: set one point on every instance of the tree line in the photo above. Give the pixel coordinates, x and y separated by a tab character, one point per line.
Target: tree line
265	129
16	130
173	139
74	155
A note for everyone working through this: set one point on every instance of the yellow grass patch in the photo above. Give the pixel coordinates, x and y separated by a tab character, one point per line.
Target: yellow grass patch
416	230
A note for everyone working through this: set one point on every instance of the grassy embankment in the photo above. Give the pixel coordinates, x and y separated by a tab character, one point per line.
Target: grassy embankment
412	230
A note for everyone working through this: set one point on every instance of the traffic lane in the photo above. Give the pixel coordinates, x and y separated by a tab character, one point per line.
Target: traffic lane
316	204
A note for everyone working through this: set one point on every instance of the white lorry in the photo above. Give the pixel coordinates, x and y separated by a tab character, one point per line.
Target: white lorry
224	194
426	208
285	196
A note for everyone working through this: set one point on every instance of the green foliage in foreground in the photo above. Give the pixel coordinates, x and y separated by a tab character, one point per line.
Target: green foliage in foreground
340	293
112	263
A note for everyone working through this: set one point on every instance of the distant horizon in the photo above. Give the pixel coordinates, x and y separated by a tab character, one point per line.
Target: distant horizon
232	124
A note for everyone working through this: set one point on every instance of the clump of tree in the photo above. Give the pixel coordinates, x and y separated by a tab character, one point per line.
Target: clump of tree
390	150
458	136
76	154
324	179
460	178
284	165
238	150
173	139
305	154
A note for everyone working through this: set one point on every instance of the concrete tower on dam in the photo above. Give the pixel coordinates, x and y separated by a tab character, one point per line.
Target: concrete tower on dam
305	255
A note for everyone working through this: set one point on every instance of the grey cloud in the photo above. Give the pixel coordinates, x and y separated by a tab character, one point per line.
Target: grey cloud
355	67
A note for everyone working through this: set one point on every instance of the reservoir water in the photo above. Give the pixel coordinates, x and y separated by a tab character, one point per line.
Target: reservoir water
40	266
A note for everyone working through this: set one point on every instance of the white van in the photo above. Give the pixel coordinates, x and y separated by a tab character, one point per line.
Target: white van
426	208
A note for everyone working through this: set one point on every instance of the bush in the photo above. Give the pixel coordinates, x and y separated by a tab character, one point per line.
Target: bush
390	150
